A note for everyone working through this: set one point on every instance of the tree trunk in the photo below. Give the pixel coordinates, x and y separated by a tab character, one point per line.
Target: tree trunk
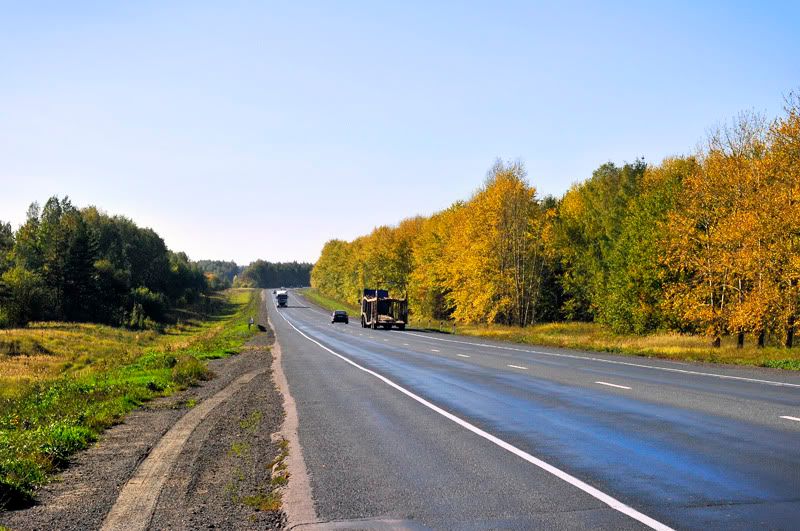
740	340
790	333
717	342
762	338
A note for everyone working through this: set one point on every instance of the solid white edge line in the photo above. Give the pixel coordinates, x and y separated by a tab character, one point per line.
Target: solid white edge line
572	480
787	417
435	350
613	385
615	362
518	367
462	355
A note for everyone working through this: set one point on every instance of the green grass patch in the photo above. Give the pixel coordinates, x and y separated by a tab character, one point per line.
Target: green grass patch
62	384
329	303
264	501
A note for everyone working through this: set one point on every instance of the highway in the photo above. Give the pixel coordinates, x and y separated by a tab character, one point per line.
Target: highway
423	430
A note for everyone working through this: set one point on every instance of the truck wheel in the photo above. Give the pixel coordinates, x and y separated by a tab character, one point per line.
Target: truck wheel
401	327
363	324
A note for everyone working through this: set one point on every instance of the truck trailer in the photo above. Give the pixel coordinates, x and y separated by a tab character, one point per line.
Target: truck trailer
380	310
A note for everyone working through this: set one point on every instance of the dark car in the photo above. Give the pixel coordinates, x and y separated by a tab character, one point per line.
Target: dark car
339	316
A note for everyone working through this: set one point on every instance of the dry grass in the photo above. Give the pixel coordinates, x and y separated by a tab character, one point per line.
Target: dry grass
49	350
592	336
595	337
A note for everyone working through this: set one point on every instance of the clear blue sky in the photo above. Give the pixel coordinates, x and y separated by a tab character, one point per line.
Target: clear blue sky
263	129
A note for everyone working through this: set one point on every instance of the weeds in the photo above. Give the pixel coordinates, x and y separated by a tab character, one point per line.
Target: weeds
264	501
250	424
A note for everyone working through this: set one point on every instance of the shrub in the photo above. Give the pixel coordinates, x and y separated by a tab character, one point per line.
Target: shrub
189	371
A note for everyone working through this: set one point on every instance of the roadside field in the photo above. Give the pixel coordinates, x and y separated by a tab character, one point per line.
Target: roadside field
62	384
596	337
329	303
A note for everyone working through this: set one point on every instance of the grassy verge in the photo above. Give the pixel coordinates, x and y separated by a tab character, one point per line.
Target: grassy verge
595	337
329	303
62	384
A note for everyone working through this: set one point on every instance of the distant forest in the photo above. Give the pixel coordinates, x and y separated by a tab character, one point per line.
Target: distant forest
259	274
71	264
707	243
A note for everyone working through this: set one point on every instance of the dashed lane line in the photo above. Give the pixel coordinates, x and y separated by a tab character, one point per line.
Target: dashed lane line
614	362
565	476
613	385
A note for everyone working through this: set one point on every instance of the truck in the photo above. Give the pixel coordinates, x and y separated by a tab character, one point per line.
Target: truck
282	297
378	309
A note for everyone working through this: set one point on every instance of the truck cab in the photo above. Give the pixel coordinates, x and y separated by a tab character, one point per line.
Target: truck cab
282	297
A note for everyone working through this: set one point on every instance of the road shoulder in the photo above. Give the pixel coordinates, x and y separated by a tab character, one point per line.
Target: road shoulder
212	478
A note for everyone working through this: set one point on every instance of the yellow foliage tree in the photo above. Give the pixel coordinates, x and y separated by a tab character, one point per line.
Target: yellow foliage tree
494	259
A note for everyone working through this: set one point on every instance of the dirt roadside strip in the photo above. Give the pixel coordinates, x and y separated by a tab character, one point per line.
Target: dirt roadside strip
137	501
201	458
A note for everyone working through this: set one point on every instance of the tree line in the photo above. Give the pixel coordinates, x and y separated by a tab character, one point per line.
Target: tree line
706	243
259	274
262	274
70	264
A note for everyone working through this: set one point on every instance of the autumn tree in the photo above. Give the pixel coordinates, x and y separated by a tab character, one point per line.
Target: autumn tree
784	216
715	241
495	257
429	295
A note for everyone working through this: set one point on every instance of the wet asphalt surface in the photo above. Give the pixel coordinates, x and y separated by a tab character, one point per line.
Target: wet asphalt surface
689	445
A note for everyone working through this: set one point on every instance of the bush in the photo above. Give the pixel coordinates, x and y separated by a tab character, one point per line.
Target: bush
189	371
147	304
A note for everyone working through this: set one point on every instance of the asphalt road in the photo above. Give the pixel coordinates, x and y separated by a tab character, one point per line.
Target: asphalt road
426	430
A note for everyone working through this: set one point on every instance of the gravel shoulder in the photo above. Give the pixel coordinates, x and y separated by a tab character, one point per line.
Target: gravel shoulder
221	474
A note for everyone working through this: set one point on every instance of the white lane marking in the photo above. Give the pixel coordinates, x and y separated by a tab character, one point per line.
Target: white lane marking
405	344
572	480
518	367
787	417
613	385
615	362
386	340
435	350
462	355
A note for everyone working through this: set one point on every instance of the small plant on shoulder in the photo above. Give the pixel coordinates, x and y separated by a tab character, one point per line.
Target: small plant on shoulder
251	422
239	449
270	498
264	501
278	467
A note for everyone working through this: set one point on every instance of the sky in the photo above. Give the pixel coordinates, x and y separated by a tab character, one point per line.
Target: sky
245	130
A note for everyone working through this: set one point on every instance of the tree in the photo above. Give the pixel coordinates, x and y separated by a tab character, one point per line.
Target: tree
590	218
429	296
633	299
714	240
26	297
495	258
